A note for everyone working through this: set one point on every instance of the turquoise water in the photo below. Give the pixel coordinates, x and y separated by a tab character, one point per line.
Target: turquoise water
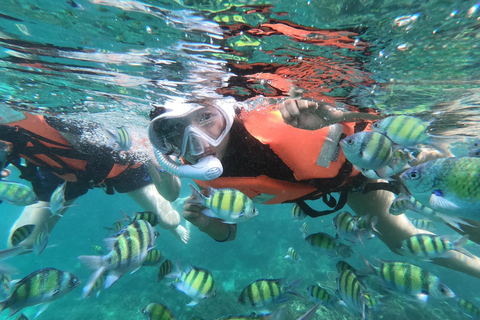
108	61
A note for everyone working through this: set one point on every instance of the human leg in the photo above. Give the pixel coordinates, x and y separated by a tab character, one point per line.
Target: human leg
38	214
393	229
150	200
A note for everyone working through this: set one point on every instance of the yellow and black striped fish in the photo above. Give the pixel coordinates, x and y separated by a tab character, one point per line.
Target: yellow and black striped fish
430	246
318	294
347	228
17	194
351	291
154	257
120	140
165	268
342	266
5	285
298	213
40	242
411	280
229	205
197	283
292	254
97	249
128	251
21	234
156	311
469	308
40	286
329	244
264	292
149	216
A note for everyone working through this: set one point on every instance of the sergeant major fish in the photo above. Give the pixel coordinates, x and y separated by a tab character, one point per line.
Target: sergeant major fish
447	185
128	251
347	228
351	292
329	245
408	131
165	268
264	292
229	205
120	140
411	280
429	246
41	286
369	151
16	193
197	283
157	311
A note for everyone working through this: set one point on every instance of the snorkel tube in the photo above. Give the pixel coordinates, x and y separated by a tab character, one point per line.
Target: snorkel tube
207	168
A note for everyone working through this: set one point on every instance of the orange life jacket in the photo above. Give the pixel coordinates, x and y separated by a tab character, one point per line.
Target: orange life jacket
39	143
299	149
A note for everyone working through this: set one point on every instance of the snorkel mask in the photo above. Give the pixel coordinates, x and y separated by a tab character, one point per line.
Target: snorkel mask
191	128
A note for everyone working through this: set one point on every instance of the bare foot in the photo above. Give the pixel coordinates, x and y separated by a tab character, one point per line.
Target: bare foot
181	233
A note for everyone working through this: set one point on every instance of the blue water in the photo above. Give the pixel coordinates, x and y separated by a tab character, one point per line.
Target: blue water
109	61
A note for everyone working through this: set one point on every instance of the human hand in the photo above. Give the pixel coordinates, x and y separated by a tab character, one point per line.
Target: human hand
309	115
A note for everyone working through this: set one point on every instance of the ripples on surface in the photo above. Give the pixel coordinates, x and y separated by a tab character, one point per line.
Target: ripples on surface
106	56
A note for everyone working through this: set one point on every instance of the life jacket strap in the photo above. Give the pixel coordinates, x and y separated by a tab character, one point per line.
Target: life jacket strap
329	200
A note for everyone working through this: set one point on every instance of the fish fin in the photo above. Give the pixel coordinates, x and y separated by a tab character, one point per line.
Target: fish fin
277	315
110	242
42	309
126	216
135	270
112	138
423	298
437	201
208	213
198	197
92	262
454	220
91	282
192	303
112	277
12	252
291	288
310	313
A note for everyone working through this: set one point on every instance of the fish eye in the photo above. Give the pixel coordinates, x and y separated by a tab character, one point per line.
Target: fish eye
414	175
375	125
349	141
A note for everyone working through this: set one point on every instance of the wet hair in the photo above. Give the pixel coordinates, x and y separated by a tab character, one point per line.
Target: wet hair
156	111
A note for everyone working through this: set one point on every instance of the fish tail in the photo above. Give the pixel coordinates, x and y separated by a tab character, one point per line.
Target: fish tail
292	286
92	262
198	197
91	282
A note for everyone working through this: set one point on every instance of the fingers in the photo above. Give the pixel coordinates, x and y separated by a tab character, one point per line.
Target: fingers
291	110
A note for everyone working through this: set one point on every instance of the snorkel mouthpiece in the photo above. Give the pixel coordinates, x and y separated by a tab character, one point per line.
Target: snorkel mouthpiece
207	168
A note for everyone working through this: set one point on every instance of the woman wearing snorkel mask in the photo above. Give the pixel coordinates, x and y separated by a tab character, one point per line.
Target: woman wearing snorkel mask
276	154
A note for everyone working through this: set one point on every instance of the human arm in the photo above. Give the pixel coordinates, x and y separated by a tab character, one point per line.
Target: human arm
167	185
310	115
214	227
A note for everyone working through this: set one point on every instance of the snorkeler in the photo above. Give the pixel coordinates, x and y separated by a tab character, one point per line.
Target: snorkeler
56	151
265	155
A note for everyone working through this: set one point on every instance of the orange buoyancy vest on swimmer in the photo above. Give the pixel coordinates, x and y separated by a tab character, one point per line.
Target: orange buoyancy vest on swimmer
41	144
311	155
